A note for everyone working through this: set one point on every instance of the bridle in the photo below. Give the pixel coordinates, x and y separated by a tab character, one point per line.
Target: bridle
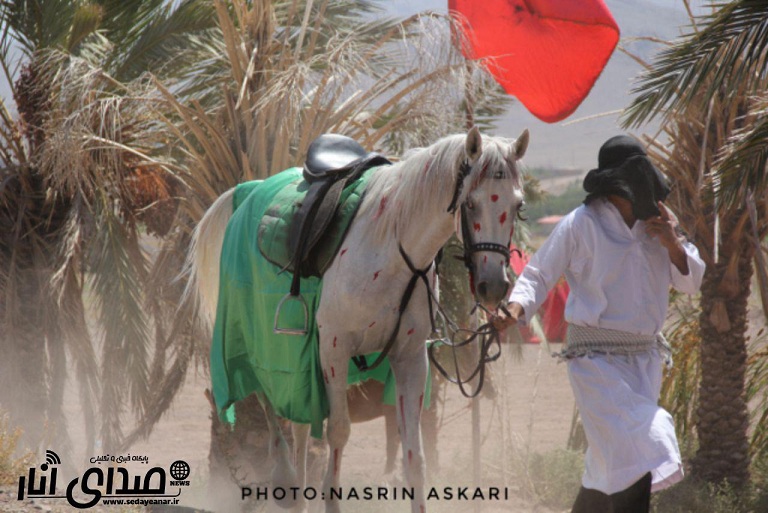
471	247
487	335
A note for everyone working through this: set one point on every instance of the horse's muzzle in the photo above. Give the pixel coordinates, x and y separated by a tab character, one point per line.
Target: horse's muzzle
491	293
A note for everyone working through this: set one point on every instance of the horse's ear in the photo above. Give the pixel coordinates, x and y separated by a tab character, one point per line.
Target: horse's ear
474	144
521	144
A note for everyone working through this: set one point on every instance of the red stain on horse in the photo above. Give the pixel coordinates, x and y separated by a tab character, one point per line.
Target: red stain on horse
343	251
334	341
494	197
402	412
503	217
382	206
371	324
325	375
376	274
333	372
477	227
410	331
335	461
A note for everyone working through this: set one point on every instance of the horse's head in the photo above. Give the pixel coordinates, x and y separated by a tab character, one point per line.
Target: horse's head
488	211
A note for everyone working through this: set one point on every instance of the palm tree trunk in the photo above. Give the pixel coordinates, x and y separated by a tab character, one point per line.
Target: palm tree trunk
722	417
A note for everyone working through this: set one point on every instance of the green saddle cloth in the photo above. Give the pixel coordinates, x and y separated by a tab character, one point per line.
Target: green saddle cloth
246	356
274	226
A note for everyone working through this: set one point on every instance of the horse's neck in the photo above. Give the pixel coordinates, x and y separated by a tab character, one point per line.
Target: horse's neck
423	224
422	238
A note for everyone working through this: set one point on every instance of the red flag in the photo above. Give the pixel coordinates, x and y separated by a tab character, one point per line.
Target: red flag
547	53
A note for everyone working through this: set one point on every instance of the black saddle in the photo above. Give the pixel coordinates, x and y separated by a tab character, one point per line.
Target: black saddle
331	155
333	161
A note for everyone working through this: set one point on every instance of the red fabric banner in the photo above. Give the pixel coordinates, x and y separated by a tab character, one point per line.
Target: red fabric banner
547	53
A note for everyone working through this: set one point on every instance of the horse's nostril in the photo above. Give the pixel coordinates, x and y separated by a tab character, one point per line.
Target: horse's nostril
482	289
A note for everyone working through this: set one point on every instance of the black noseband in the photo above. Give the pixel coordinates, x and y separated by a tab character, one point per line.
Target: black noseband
487	246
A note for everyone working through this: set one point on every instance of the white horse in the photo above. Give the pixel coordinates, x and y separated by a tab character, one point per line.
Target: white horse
415	204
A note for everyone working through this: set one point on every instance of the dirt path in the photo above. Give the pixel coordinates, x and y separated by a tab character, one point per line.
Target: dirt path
531	413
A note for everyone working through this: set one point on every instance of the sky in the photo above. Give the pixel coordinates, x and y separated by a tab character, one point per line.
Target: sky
573	143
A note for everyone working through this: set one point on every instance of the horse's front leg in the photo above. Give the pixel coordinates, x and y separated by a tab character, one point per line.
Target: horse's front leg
410	377
334	361
300	434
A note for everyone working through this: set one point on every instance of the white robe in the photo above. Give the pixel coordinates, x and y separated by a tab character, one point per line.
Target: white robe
619	279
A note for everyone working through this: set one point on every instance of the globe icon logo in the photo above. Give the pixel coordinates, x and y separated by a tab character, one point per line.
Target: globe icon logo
179	470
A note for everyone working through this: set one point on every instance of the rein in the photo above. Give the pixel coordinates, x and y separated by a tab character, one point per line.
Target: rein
417	274
487	334
489	338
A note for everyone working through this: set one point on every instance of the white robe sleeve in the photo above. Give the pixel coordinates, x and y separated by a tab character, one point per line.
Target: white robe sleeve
691	282
544	269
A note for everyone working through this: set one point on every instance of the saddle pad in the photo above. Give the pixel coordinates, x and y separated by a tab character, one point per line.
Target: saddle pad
274	232
246	356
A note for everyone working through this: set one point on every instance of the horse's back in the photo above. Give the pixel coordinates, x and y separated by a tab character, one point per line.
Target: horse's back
246	356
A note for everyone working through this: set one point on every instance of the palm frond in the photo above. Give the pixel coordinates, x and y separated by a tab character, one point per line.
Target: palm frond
742	162
730	49
164	40
85	21
119	268
37	24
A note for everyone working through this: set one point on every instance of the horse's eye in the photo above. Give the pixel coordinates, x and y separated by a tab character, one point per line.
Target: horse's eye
498	175
520	211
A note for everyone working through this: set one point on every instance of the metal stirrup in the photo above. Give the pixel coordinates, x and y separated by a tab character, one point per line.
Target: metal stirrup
291	331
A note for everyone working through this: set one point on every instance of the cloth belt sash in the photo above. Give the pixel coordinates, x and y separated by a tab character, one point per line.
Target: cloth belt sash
587	341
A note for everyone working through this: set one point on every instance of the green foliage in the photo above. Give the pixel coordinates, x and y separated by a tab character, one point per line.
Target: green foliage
561	204
757	397
556	477
679	389
692	495
11	464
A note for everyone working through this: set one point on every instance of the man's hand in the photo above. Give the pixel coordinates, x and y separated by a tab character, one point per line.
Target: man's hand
665	227
502	321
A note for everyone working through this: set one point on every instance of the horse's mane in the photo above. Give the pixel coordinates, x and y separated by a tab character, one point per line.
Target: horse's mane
406	191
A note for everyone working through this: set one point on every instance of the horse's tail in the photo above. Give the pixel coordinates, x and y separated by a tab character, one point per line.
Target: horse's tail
204	256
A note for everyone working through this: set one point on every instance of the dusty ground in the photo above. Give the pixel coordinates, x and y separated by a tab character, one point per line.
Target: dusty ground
531	413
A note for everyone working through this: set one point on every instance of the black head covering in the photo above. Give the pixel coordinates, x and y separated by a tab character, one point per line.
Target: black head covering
625	170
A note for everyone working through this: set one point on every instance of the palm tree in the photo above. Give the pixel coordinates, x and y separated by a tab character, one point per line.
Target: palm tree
109	168
70	210
710	88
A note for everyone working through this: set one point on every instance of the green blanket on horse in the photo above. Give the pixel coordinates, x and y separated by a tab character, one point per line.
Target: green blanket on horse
246	356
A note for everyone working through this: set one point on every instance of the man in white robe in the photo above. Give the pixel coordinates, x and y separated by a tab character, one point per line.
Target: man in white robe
620	252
